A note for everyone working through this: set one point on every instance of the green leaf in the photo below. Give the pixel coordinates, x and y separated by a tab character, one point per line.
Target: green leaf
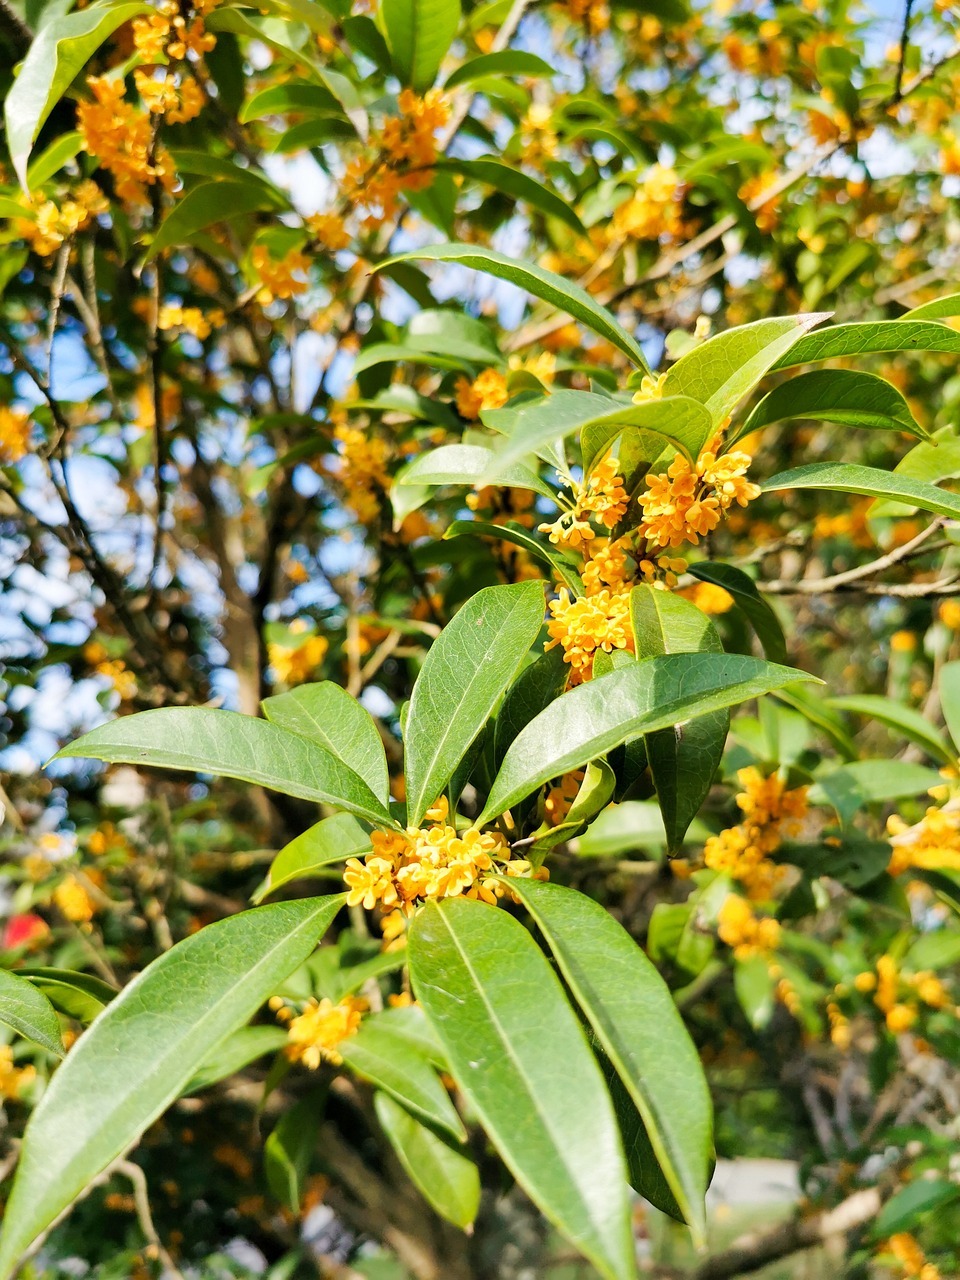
446	332
932	461
949	690
146	1045
684	759
55	58
679	421
516	534
749	601
287	1150
873	482
535	687
914	726
520	1056
508	62
279	99
330	840
394	353
463	676
390	1060
28	1012
328	715
519	185
725	368
861	782
78	995
206	204
236	1052
835	395
418	35
869	337
52	160
903	1210
639	698
938	309
632	1013
464	464
755	990
937	950
231	745
444	1176
551	288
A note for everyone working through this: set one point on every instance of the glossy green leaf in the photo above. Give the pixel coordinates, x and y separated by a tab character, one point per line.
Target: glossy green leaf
391	1061
519	185
78	995
725	368
465	464
51	161
679	421
904	1209
846	396
948	687
231	745
632	1013
913	725
465	672
507	62
932	461
330	840
683	759
868	337
239	1050
447	1179
28	1012
418	35
751	603
279	99
55	57
289	1147
521	1058
516	534
395	352
444	331
938	309
561	293
863	782
144	1048
755	989
206	204
872	482
328	715
639	698
535	688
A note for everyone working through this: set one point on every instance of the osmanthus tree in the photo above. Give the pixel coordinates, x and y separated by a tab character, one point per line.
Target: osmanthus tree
253	437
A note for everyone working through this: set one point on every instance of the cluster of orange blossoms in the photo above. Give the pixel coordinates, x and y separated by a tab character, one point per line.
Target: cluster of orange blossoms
687	502
313	1034
121	137
770	811
163	95
51	225
363	470
294	663
745	932
14	435
898	995
166	33
932	845
911	1257
407	868
284	277
655	209
487	391
191	319
406	149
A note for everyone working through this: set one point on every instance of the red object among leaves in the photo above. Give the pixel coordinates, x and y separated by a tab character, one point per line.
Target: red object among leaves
24	930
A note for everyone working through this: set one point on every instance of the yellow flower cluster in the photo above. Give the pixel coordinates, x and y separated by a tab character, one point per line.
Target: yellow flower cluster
754	190
190	319
592	14
655	209
284	277
13	1079
406	148
363	470
896	994
120	136
769	812
561	797
73	900
120	676
740	929
586	625
708	597
911	1257
933	844
538	137
313	1035
164	95
166	33
687	502
14	435
329	230
405	869
602	496
53	224
293	664
487	391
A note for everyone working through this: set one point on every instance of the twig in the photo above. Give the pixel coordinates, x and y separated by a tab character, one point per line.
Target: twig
138	1181
904	43
814	586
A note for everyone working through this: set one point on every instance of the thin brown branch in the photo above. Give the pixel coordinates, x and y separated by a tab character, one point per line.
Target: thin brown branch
837	581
